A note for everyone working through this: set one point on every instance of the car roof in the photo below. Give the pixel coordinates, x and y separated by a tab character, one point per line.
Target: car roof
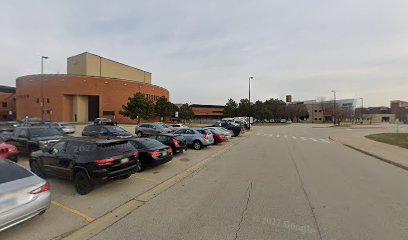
96	140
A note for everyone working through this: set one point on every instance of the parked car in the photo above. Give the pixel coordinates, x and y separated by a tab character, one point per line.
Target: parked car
86	161
219	136
151	152
23	195
29	139
106	131
148	129
196	137
177	143
283	120
178	126
8	151
6	127
227	134
66	128
104	121
236	129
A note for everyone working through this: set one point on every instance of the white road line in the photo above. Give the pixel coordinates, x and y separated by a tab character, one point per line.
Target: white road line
324	140
314	140
286	136
270	135
277	135
293	137
303	138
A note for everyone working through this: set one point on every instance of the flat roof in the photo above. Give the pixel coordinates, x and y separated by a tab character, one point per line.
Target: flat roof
7	89
206	106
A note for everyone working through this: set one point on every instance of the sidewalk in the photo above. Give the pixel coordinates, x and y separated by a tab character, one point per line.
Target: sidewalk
388	153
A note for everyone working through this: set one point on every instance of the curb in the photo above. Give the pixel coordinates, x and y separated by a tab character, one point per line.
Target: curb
373	155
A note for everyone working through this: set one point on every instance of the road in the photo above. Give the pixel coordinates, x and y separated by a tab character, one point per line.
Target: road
287	182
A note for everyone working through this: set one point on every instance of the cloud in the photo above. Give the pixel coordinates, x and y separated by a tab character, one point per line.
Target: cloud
204	51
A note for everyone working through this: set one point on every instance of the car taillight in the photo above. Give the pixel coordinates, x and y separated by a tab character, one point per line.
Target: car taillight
205	137
176	143
136	154
170	150
154	154
43	188
107	161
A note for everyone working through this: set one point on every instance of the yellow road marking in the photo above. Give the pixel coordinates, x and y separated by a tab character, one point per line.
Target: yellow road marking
148	179
84	216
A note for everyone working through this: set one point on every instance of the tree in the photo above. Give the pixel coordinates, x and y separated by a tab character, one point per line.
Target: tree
259	110
138	107
163	107
186	112
231	108
244	108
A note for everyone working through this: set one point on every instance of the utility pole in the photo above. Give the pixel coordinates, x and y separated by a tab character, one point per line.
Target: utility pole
250	109
42	86
334	107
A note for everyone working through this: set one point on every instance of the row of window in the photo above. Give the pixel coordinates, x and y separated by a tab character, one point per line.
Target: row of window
152	97
4	104
316	110
318	119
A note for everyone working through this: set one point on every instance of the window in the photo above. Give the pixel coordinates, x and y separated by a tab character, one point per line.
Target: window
320	110
59	146
38	100
109	113
189	131
315	110
315	118
48	100
4	104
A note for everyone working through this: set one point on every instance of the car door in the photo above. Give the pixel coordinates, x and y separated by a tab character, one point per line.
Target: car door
189	135
22	140
52	160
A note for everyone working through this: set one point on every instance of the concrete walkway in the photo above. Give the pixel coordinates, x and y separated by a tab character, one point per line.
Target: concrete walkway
395	155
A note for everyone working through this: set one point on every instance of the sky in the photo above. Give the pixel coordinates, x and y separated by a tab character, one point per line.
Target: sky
204	51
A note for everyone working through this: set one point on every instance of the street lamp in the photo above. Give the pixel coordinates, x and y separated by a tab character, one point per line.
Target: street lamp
250	110
334	106
42	86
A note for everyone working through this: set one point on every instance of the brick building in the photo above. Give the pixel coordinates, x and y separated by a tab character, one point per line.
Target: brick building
8	103
400	109
80	96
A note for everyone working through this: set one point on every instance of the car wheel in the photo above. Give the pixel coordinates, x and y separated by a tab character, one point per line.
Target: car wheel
35	168
83	185
139	134
125	176
197	145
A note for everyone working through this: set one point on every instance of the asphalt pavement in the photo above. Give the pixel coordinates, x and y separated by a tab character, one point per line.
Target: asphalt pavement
281	182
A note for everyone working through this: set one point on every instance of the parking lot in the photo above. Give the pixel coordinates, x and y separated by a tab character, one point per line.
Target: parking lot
70	211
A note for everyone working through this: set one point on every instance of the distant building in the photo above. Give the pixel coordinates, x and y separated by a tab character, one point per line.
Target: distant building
372	115
8	103
207	113
324	111
400	109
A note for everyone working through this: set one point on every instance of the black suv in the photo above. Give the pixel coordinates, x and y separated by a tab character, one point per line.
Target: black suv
177	143
86	161
105	131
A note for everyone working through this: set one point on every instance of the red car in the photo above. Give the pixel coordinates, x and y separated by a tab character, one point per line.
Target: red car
8	151
218	136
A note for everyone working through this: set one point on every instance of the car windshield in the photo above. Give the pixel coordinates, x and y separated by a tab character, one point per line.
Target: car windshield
150	143
11	172
44	132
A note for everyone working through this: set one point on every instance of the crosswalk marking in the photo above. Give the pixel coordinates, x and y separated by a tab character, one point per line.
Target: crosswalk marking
295	137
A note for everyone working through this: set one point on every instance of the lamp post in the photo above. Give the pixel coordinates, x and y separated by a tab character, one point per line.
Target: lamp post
42	86
334	107
250	109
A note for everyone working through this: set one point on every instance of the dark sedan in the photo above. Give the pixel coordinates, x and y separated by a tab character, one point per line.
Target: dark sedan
105	131
151	152
177	143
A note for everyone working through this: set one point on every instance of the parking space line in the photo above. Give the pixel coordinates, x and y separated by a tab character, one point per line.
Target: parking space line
148	179
314	140
324	140
293	137
303	138
84	216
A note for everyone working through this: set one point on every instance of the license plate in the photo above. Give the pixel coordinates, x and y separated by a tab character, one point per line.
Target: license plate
125	160
164	153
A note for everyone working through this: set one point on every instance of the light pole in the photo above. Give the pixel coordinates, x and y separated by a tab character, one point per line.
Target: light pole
42	86
334	107
250	110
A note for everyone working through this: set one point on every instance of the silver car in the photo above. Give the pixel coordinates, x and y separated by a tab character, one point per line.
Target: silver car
227	133
196	137
148	129
23	195
67	128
